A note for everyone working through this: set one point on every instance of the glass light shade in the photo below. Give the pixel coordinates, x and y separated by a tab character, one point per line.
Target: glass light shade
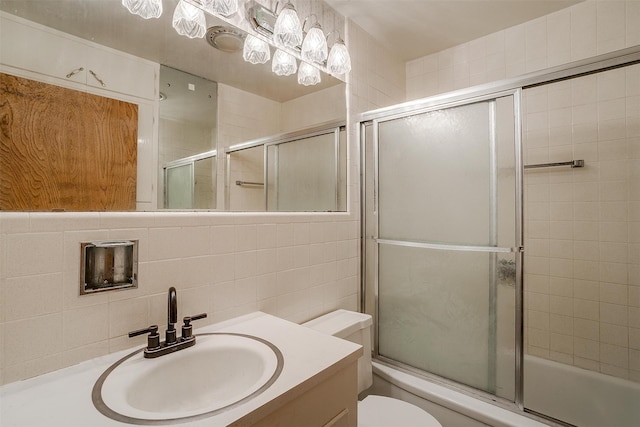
189	20
288	31
314	46
283	64
222	7
255	50
339	61
144	8
308	75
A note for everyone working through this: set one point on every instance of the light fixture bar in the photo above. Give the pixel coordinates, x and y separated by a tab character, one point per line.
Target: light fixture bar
263	21
260	22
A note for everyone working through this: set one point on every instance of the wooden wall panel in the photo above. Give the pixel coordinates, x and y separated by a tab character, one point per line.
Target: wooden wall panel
62	149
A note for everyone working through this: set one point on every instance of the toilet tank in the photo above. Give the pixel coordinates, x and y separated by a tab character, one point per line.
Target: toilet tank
354	327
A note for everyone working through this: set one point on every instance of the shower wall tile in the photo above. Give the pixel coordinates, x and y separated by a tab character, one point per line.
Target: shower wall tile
590	263
582	31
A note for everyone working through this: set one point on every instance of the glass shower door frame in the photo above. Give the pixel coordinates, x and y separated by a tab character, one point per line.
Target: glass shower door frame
372	232
189	162
335	132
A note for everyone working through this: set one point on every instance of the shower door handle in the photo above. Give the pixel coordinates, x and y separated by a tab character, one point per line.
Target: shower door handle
447	247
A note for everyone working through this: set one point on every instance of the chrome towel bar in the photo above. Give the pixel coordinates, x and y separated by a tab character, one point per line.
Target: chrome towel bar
249	183
572	163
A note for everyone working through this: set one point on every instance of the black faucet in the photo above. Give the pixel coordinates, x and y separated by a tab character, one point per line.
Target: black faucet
155	348
172	316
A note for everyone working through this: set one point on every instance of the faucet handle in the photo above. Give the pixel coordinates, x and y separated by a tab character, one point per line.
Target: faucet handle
188	319
153	340
187	328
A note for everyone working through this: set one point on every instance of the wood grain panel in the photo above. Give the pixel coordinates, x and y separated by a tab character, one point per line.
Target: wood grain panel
62	149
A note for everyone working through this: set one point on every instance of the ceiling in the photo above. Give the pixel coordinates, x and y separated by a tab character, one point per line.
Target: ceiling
409	28
415	28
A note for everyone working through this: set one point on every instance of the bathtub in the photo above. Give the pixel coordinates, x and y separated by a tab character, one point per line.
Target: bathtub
450	407
581	397
565	392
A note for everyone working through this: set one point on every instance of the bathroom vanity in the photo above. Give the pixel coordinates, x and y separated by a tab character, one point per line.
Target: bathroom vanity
317	385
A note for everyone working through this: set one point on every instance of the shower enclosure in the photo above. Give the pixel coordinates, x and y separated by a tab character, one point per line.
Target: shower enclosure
442	231
298	171
500	228
190	183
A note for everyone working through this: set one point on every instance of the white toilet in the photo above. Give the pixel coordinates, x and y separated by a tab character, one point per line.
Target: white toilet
373	411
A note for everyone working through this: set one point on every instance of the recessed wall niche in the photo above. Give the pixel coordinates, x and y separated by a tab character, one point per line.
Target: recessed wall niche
108	265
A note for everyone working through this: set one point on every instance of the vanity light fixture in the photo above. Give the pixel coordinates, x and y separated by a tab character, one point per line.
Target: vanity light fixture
222	7
339	61
308	75
283	64
314	46
144	8
189	20
255	51
287	31
282	30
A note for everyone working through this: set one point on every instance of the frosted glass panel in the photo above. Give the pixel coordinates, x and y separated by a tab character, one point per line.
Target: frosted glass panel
446	197
436	169
205	183
180	187
436	313
305	177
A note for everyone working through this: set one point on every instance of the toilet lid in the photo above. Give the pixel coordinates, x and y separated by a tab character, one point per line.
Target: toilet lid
380	411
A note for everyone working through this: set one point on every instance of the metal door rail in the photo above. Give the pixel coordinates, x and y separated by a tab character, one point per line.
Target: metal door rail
445	247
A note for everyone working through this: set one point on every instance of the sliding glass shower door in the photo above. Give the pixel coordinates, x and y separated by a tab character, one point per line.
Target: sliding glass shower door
442	240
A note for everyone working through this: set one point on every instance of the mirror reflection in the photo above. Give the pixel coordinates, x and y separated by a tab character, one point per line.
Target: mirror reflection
303	170
187	141
182	145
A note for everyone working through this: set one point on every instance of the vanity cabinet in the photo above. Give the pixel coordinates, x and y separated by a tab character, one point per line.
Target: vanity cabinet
330	401
68	61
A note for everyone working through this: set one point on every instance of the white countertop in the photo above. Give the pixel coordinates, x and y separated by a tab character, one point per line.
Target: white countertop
63	398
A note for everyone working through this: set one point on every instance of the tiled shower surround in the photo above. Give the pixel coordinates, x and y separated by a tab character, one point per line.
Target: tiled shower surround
582	226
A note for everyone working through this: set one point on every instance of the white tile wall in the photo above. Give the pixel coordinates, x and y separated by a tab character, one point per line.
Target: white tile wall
586	258
222	264
296	266
582	272
587	29
316	108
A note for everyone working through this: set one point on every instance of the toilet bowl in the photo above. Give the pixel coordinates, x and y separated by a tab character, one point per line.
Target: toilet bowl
373	411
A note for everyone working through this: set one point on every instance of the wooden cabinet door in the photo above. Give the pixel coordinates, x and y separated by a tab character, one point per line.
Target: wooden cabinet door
62	149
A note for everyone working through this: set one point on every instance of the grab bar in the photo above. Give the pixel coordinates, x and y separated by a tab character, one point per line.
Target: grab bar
241	183
572	163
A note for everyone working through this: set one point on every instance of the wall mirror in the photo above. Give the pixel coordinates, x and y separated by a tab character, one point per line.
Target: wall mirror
245	104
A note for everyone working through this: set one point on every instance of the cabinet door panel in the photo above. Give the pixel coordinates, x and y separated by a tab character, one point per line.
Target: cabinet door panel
40	51
115	72
62	149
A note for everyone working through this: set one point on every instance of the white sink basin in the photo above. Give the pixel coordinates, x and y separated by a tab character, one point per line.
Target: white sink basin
221	371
